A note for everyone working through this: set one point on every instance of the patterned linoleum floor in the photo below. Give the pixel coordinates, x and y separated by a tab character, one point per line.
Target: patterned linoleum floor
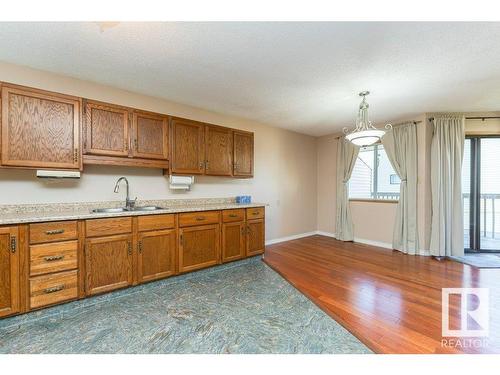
242	307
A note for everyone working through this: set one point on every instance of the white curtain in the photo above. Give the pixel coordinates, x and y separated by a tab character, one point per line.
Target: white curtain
347	153
447	149
400	144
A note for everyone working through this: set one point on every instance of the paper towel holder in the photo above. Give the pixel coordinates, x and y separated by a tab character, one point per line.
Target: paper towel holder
180	182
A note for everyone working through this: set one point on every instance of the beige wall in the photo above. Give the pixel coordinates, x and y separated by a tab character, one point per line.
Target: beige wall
285	162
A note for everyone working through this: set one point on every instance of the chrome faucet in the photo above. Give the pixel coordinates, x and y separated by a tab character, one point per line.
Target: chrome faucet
129	203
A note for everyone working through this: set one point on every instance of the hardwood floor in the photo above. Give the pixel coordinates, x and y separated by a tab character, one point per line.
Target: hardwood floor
390	301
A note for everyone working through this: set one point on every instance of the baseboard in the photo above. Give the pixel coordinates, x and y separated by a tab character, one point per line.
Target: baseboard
327	234
289	238
385	245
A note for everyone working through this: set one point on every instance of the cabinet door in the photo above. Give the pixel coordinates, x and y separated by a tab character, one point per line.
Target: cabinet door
9	271
109	263
39	129
188	147
150	135
255	237
233	241
156	254
219	151
243	154
198	247
106	129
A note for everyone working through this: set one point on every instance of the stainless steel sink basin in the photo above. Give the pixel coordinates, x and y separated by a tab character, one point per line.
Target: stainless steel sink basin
124	209
109	210
147	208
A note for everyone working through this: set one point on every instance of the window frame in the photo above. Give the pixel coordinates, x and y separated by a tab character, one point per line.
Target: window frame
375	182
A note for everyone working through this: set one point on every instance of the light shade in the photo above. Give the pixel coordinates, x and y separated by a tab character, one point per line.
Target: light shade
365	137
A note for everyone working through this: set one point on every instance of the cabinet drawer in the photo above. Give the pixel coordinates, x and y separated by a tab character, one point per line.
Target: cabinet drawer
154	222
53	257
106	227
255	213
229	216
55	231
199	218
53	288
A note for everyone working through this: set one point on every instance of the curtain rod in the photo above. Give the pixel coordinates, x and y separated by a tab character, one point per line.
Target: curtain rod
482	118
401	123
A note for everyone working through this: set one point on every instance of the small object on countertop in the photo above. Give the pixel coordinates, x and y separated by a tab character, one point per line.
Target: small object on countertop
242	199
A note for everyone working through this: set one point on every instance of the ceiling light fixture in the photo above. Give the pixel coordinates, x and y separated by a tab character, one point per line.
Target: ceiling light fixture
365	133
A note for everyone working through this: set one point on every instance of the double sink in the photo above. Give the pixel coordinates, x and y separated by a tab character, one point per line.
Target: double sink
127	209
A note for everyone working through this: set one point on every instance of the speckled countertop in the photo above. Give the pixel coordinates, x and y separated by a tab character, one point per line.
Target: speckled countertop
32	213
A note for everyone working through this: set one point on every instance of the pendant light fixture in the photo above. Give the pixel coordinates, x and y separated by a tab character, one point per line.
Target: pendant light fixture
365	133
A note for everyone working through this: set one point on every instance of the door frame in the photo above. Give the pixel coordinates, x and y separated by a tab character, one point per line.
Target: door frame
475	196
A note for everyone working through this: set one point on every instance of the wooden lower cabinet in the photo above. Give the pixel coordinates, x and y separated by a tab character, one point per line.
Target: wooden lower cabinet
156	254
233	241
9	271
255	237
199	247
53	288
108	263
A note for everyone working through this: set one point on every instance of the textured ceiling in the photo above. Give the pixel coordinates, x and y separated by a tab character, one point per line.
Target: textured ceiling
300	76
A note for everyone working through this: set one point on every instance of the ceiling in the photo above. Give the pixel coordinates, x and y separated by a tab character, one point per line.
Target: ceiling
299	76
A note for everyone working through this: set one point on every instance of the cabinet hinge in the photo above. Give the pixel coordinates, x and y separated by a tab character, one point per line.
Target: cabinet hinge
13	244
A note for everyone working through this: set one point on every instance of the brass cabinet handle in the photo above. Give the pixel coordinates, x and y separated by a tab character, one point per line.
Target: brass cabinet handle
136	145
200	218
255	213
129	248
75	157
54	231
140	247
201	164
233	215
13	244
54	289
53	258
207	164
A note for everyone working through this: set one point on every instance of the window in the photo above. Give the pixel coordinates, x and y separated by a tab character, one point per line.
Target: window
373	176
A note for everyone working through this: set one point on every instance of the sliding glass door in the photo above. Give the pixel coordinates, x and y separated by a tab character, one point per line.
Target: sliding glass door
481	194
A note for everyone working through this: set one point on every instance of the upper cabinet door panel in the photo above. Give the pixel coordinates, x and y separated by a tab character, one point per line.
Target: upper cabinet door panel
106	129
188	147
150	136
39	129
243	154
219	150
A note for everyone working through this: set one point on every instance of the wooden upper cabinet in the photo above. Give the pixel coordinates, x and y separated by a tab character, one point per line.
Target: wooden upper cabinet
187	146
106	129
243	154
40	129
219	150
150	135
9	271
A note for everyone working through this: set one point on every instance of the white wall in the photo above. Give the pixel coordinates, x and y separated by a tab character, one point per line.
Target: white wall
285	162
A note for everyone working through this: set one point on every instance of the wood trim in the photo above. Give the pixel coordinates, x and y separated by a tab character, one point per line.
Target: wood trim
81	259
127	162
24	267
